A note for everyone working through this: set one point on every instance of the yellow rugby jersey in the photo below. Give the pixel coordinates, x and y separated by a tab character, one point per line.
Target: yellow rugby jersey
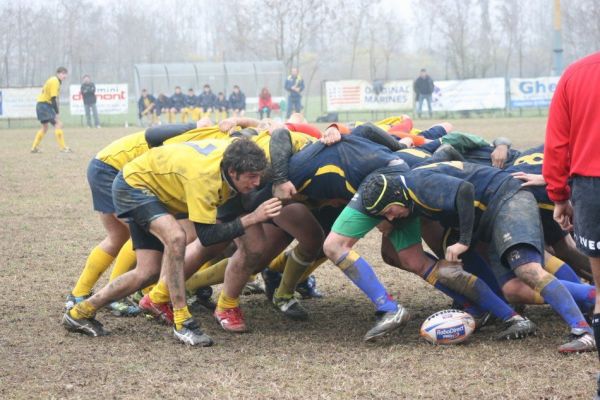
123	150
207	132
299	140
50	89
185	177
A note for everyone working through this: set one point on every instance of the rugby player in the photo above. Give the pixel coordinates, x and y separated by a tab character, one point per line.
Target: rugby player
48	113
501	214
178	102
193	178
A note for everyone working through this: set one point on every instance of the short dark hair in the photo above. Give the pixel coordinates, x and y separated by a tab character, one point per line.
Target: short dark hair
236	87
60	70
144	90
178	87
86	76
190	89
423	70
243	155
206	85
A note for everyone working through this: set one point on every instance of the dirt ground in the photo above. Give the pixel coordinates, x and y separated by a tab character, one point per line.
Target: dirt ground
47	227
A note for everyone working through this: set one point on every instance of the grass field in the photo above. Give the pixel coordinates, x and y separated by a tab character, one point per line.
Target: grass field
48	227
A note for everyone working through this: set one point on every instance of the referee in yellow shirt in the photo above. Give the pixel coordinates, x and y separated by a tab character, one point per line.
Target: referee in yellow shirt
47	111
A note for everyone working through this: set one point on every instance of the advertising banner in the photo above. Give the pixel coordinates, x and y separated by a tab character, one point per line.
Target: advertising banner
360	95
532	92
469	94
111	98
18	102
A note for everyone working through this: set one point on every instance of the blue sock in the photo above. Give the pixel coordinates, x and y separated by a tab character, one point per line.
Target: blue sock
582	293
488	300
363	276
559	298
476	265
566	273
469	306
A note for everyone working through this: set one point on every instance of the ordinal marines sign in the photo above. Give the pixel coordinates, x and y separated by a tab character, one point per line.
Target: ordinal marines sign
532	92
359	95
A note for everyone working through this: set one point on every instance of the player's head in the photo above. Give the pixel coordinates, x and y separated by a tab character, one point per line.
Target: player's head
244	162
62	73
191	91
86	79
177	89
144	93
206	88
221	95
236	89
294	71
386	195
423	72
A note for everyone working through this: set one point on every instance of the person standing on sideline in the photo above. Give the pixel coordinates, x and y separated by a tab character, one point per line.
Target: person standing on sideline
423	87
47	111
570	152
237	102
294	84
88	92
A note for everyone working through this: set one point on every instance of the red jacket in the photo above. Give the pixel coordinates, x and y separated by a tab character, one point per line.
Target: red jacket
573	130
262	102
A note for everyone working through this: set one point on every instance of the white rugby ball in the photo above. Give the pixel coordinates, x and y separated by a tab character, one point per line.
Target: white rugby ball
448	327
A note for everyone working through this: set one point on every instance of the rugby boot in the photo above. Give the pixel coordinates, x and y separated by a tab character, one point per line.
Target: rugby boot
66	150
202	298
387	322
580	341
272	280
191	334
254	287
516	327
308	288
159	312
124	308
290	307
86	326
231	320
72	300
35	150
137	297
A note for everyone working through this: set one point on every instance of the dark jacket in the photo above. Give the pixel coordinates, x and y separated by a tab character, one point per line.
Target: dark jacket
142	106
237	101
424	86
178	101
88	91
191	100
222	104
207	100
291	82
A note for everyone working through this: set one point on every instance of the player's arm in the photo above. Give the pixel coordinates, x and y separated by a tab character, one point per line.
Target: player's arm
281	149
500	154
157	135
210	234
377	135
229	123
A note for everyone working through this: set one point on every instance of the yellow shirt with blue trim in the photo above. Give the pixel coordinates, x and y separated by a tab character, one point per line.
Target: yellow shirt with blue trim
50	89
185	177
123	150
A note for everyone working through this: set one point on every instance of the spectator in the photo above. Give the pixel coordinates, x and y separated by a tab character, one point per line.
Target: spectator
423	87
88	92
294	85
570	152
265	103
177	104
237	102
206	101
190	111
221	106
147	108
162	104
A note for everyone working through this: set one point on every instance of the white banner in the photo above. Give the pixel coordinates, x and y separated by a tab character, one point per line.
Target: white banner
359	95
111	98
532	92
470	94
18	102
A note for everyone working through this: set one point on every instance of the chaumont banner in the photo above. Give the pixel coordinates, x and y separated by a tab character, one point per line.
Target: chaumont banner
111	98
361	95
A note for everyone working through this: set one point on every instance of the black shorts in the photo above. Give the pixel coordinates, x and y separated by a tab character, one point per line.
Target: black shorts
517	223
45	113
586	214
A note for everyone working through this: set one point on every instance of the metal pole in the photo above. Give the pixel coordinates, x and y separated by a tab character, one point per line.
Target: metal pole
557	58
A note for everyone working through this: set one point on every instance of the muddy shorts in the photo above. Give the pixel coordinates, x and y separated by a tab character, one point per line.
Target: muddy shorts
100	177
